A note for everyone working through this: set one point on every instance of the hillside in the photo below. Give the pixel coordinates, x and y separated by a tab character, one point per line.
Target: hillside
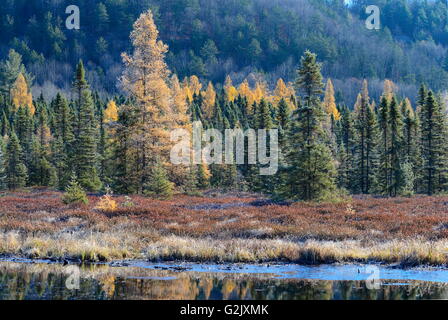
212	38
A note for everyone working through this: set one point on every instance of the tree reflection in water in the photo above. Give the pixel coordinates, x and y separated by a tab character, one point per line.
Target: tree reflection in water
47	281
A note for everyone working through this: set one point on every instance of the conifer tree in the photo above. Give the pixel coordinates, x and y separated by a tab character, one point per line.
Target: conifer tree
145	78
311	172
329	103
347	139
395	151
16	171
79	85
23	125
5	125
365	124
21	95
432	140
158	185
3	174
86	146
384	171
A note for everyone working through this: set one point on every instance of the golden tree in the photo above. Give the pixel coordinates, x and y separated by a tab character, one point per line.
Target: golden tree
260	92
209	96
245	91
111	112
330	102
389	89
282	91
145	78
230	90
195	85
21	95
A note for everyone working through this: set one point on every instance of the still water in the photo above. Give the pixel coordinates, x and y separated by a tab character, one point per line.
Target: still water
22	279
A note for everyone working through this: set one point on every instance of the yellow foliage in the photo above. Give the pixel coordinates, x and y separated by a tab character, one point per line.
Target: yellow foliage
188	93
283	92
230	90
21	96
209	100
195	85
106	203
232	94
389	89
111	112
330	102
245	91
260	92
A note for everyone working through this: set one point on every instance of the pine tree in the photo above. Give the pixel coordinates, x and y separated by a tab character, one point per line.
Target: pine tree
74	193
158	185
311	173
395	151
63	153
23	125
86	146
42	172
365	141
16	171
10	71
347	139
3	174
384	171
79	85
283	116
5	125
430	137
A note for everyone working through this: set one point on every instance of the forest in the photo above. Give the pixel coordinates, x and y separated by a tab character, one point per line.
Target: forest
122	143
253	39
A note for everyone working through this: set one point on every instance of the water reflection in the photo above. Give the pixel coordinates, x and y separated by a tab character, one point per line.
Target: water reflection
48	281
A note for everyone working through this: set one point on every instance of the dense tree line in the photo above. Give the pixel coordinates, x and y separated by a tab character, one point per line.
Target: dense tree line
211	39
386	147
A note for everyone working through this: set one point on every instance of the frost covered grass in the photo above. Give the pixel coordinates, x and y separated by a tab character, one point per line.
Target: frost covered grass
231	228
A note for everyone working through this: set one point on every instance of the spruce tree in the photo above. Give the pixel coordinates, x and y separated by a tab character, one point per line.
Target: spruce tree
384	170
16	171
3	163
158	185
396	141
432	140
346	139
86	146
311	171
79	85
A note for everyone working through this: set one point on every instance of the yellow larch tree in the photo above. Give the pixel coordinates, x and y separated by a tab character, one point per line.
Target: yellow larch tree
389	89
21	95
195	85
282	91
330	102
179	173
230	90
260	92
145	78
245	91
111	112
209	96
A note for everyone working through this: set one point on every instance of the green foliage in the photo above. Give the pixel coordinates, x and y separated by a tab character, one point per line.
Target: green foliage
86	145
158	185
311	172
16	171
74	193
